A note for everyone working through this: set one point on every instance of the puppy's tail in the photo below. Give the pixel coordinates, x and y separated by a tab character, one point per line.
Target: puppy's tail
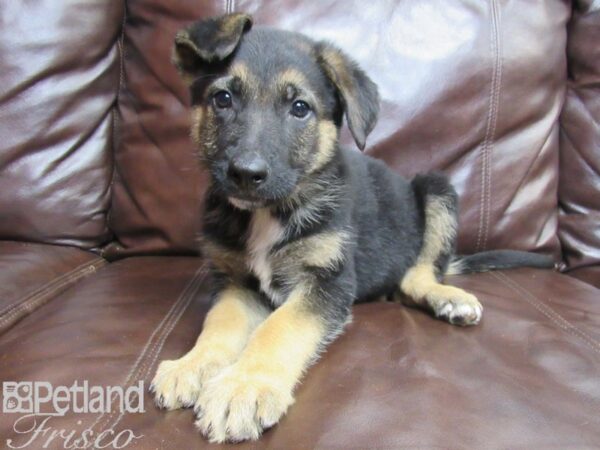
497	259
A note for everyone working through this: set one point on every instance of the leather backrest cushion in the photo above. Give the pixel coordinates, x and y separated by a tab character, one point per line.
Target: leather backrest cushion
468	87
579	189
59	72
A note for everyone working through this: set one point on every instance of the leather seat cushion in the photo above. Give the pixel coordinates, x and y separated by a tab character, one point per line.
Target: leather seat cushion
33	274
525	377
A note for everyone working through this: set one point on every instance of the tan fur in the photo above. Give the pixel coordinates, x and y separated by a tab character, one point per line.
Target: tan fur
328	136
258	389
226	329
197	116
420	283
240	71
297	80
338	71
454	304
229	323
324	250
337	66
207	134
440	228
286	342
454	268
231	23
291	77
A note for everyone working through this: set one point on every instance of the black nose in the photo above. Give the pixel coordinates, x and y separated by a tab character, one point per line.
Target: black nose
247	172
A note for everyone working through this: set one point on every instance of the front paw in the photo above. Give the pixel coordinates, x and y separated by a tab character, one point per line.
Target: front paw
177	383
237	405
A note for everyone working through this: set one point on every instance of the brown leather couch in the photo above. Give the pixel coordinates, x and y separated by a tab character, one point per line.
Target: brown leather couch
100	200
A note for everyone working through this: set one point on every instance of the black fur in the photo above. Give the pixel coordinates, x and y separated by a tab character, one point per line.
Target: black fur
382	215
499	259
297	223
205	43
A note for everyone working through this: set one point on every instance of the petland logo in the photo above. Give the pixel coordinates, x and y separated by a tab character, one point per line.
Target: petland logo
36	397
39	402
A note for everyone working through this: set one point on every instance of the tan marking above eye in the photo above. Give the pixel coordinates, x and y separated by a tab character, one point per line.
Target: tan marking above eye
290	92
294	79
291	77
241	74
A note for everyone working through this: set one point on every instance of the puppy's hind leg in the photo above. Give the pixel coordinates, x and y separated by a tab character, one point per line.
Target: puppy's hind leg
421	283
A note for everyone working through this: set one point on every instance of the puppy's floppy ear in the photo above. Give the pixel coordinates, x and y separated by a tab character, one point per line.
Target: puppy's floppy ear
357	92
207	42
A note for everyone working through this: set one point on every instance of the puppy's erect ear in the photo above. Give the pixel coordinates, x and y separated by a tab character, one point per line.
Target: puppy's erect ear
357	92
208	42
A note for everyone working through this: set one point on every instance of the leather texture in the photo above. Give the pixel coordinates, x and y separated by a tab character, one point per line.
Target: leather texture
33	274
97	330
95	158
158	183
460	93
579	191
524	378
60	73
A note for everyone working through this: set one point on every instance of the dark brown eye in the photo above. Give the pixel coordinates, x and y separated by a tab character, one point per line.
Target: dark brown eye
300	109
222	99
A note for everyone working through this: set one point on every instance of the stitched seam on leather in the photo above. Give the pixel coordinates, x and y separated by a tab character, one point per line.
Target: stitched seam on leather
52	285
156	341
148	367
151	343
43	294
45	286
145	368
46	290
496	107
550	313
490	131
197	285
115	124
150	346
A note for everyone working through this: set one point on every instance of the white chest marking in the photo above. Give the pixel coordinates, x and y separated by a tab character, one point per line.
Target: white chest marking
265	232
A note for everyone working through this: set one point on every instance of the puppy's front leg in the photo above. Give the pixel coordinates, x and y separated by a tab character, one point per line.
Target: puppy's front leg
229	323
256	391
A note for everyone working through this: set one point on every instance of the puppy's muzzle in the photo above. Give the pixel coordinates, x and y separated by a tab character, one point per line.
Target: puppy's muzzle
248	172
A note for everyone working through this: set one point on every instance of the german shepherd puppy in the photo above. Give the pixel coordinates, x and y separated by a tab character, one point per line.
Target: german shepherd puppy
297	228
